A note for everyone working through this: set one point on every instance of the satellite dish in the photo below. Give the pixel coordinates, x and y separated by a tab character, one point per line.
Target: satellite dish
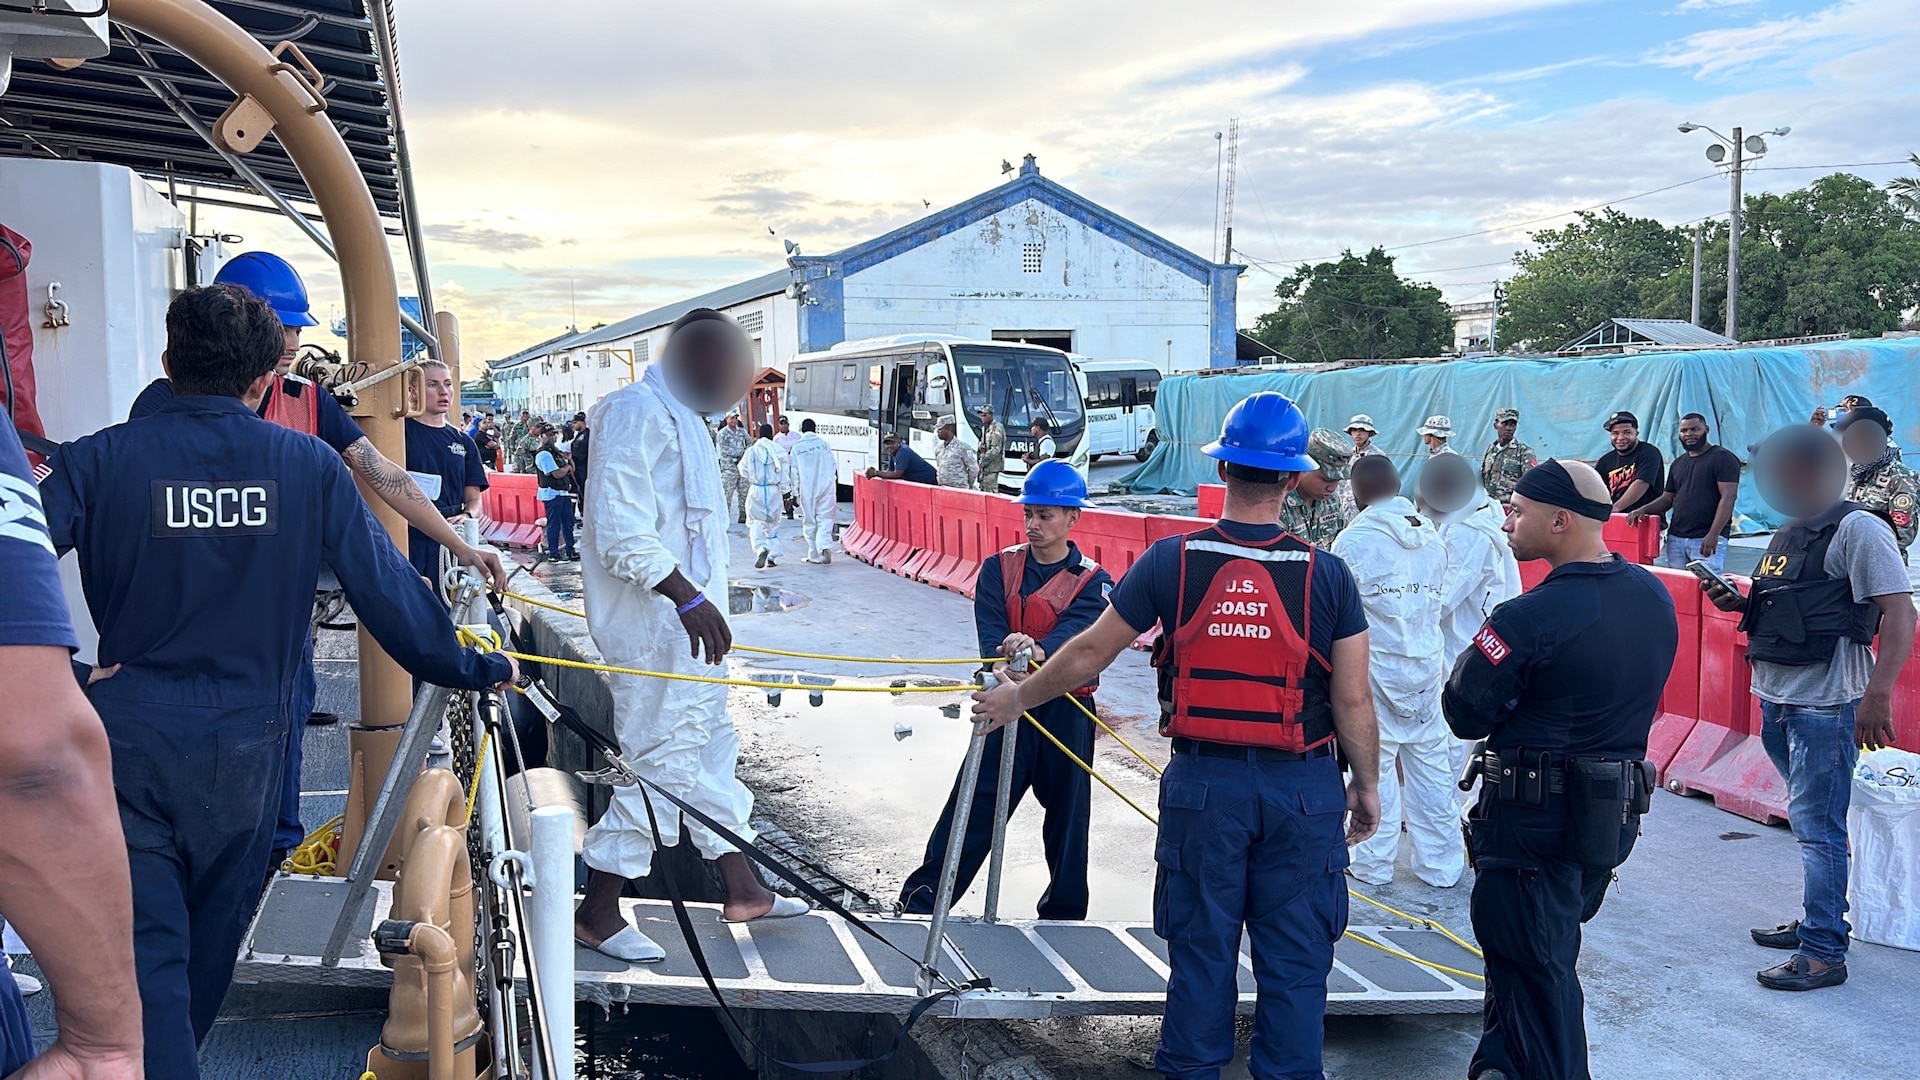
1716	153
1756	145
792	248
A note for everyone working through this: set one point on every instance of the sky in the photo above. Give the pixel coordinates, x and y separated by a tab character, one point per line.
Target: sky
581	161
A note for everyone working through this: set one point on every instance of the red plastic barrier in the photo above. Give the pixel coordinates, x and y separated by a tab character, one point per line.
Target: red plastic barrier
1906	704
871	499
1680	703
955	511
1533	573
1635	543
1213	500
1113	538
1006	524
916	503
1722	756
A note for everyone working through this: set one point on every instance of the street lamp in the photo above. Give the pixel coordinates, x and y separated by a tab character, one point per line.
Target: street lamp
1742	150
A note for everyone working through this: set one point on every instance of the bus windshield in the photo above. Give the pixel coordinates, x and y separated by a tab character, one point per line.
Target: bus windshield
1022	386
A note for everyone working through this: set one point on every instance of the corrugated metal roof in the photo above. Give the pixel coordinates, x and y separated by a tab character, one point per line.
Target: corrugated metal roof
532	351
1674	332
740	293
1617	332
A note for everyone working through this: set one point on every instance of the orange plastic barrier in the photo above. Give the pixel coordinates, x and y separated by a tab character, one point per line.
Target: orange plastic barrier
966	538
1113	538
1635	543
1213	500
953	511
1722	756
1680	703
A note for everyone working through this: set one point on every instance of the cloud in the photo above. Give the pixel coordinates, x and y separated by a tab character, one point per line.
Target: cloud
604	173
1713	5
482	237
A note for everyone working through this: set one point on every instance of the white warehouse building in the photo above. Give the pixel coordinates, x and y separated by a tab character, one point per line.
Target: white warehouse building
1027	261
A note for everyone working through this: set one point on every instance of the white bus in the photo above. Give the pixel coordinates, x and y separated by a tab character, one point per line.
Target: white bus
858	391
1120	396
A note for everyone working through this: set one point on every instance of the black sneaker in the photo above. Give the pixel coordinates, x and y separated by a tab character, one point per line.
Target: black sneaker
321	719
1798	974
760	563
1785	936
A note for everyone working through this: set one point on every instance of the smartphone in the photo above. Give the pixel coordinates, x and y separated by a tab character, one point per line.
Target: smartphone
1707	573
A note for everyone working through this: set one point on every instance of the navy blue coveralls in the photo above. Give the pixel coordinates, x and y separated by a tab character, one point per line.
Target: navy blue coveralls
200	532
1063	788
445	462
334	427
1250	840
1576	667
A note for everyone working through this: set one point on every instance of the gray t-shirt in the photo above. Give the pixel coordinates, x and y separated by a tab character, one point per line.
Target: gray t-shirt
1863	552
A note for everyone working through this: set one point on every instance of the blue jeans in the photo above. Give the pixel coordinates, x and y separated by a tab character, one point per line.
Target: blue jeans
559	525
1813	748
1259	845
1681	550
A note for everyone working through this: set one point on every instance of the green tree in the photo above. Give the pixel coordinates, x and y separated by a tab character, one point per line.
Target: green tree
1906	190
1355	309
1601	266
1839	256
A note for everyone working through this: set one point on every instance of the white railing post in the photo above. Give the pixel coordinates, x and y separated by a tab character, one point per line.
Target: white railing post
550	937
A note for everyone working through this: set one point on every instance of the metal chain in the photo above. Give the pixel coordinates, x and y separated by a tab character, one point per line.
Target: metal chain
459	727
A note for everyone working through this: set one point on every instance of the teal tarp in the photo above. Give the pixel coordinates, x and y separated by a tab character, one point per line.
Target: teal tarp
1744	393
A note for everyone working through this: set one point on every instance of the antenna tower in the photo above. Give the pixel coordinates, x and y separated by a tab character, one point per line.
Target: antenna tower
1233	155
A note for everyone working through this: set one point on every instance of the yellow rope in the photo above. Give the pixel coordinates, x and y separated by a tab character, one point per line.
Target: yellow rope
853	688
1075	758
1391	951
479	763
781	652
1428	923
316	854
1078	704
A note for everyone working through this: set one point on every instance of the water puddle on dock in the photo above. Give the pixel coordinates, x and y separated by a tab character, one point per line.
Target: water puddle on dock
881	767
762	600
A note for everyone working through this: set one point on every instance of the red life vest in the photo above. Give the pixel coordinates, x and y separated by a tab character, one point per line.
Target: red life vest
1239	668
1036	614
294	403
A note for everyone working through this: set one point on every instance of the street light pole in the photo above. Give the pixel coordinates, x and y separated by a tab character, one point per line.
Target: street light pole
1699	243
1733	243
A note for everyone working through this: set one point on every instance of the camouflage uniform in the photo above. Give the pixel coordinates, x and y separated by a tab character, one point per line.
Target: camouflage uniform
732	443
1501	469
1319	522
1894	490
992	454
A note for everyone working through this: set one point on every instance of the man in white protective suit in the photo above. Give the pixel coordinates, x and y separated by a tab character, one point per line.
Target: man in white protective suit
764	467
1481	571
654	568
1399	562
815	478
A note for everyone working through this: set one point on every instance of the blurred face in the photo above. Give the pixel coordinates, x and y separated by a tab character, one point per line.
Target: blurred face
1693	434
1315	486
1801	472
1531	527
782	425
1625	437
1361	437
1864	442
1049	525
290	350
890	443
1505	429
1447	483
437	396
708	365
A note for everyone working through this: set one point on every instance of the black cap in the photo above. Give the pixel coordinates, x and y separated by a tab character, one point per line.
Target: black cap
1856	401
580	416
1865	412
1621	417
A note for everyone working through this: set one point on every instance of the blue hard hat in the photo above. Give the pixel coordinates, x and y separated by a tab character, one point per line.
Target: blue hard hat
1054	483
273	279
1265	431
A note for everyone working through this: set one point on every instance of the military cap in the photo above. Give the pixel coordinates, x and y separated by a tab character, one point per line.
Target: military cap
1437	425
1501	416
1333	450
1363	422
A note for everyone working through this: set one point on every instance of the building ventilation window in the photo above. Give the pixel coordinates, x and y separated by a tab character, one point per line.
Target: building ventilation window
1030	257
756	350
606	359
753	321
642	351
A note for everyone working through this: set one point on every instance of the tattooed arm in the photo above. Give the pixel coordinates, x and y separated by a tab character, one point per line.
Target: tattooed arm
398	490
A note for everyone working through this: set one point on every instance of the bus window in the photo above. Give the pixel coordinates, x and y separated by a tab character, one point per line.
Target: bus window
1129	392
1149	387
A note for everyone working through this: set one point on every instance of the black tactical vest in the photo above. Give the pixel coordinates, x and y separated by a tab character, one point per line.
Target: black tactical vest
1797	612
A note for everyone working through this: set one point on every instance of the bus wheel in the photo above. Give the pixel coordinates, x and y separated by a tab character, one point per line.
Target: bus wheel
1145	452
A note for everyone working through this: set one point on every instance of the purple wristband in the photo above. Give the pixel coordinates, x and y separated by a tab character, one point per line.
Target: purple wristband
682	609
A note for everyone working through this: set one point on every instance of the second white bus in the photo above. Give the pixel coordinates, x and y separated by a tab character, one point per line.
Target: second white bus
1120	396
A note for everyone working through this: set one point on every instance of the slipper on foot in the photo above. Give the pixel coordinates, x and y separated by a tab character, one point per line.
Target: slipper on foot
784	907
630	945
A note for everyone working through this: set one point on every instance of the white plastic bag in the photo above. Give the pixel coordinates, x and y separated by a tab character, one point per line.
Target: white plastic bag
1883	824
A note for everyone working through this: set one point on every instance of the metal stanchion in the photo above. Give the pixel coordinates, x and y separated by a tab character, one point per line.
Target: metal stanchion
1002	796
956	836
550	937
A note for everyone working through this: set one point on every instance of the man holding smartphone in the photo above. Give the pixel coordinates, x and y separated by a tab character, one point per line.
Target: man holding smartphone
1830	581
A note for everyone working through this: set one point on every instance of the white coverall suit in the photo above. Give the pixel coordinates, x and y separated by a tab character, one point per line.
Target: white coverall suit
764	466
1481	575
1400	563
656	505
815	478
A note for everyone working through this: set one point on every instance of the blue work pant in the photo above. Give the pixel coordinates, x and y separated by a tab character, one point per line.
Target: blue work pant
1528	905
1065	792
196	788
288	832
559	525
1813	748
1259	845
